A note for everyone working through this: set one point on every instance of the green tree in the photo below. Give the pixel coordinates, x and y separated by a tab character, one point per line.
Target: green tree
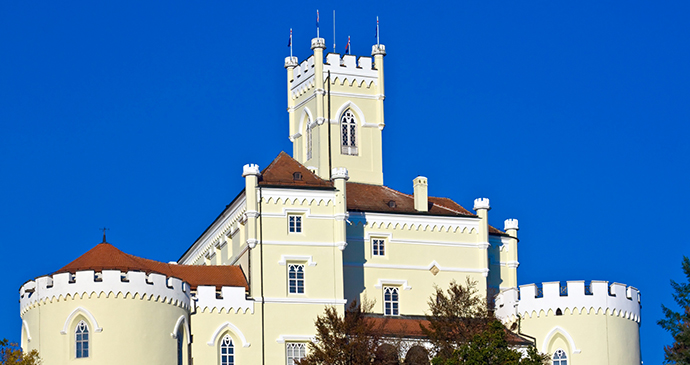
678	323
455	316
491	347
346	340
11	354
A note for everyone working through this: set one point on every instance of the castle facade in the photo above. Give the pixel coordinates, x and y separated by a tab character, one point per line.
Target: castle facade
318	228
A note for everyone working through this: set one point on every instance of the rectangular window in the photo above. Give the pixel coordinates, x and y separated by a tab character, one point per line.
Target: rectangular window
295	352
390	301
295	223
296	279
378	247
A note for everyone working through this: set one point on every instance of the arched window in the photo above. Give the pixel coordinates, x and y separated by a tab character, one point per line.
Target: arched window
81	339
227	351
559	358
348	132
390	301
180	348
310	140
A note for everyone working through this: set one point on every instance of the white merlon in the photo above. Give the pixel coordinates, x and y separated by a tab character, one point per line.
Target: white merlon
339	173
290	62
481	203
250	169
510	224
318	43
229	298
162	288
378	49
601	298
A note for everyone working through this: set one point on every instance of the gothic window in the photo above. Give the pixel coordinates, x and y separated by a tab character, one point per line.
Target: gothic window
559	358
81	336
180	347
310	140
390	301
378	247
227	351
296	278
296	351
294	223
348	132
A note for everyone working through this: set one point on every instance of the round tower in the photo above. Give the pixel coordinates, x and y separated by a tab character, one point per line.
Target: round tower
583	323
120	313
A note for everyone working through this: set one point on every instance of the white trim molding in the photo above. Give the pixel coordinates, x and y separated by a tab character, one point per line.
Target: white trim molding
182	321
295	338
302	258
85	313
401	283
565	334
233	329
303	301
358	112
484	271
26	328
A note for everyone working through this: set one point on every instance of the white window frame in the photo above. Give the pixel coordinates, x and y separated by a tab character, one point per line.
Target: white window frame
348	133
378	246
295	351
79	351
296	279
226	344
562	358
309	140
298	226
391	306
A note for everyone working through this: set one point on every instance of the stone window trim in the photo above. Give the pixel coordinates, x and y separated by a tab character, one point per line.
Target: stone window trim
295	223
295	278
295	351
391	301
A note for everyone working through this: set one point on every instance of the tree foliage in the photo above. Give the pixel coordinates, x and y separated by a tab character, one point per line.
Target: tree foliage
678	323
455	316
490	347
11	354
346	340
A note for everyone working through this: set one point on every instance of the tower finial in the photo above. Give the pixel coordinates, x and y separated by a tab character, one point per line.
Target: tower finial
317	23
104	229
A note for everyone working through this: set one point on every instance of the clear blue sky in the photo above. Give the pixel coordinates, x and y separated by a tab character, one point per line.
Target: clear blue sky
572	117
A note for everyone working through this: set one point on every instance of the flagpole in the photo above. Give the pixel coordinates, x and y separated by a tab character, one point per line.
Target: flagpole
333	31
290	42
317	23
377	31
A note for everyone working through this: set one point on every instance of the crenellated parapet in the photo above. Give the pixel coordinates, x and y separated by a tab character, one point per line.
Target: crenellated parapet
209	300
133	284
553	299
345	69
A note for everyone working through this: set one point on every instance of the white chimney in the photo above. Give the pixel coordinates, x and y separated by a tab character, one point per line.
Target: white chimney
421	194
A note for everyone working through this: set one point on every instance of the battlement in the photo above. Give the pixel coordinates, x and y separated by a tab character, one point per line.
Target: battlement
339	173
482	203
208	299
552	298
133	283
250	169
344	68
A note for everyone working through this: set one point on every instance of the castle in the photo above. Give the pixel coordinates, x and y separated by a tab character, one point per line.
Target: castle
318	228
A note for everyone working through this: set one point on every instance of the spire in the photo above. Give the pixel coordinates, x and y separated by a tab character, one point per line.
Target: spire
104	229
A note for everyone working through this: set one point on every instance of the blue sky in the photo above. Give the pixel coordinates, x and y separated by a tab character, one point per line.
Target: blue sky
572	117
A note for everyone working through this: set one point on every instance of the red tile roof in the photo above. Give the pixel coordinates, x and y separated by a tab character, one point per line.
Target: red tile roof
410	327
281	173
360	197
105	256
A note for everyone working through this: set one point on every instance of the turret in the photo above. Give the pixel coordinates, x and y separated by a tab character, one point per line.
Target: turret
510	226
251	175
482	207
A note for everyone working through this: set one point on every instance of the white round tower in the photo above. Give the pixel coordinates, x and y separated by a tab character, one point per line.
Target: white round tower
589	324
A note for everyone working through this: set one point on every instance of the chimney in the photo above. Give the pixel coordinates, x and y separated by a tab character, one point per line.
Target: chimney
421	194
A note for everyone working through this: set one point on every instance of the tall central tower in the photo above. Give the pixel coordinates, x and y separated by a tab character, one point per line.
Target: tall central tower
336	112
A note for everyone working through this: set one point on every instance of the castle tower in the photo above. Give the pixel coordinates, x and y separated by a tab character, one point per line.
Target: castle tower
579	323
336	112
